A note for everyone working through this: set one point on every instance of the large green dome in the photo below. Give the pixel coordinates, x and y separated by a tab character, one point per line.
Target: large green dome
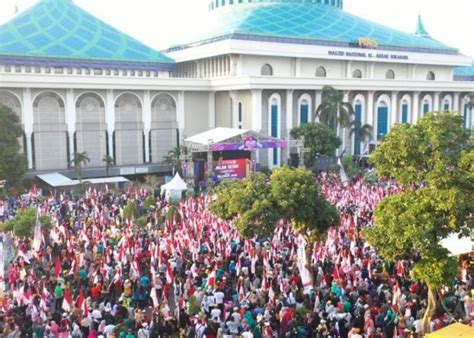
308	22
57	33
215	4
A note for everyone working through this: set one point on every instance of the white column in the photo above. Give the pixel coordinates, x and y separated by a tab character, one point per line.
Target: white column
348	69
257	117
415	111
289	116
393	110
343	130
436	101
370	118
234	95
257	110
318	99
298	67
71	121
147	123
28	120
212	110
181	113
456	103
110	120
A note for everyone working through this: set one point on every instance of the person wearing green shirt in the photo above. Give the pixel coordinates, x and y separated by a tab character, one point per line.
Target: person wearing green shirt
58	295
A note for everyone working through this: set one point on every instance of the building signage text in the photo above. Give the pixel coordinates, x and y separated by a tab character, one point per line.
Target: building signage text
377	55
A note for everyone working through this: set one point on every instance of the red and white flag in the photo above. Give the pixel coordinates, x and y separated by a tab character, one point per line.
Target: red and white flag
67	300
169	274
81	304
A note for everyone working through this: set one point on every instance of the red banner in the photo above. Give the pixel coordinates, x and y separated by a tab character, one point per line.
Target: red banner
232	169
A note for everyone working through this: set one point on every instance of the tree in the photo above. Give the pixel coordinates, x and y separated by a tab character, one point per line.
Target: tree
436	155
24	222
257	203
249	204
130	210
78	161
300	201
109	162
318	138
360	131
333	111
173	159
13	164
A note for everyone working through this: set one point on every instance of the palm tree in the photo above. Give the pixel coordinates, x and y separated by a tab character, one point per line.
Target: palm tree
333	111
109	162
78	161
173	159
361	132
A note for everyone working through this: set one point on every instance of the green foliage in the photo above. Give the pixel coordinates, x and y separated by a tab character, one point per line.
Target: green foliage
363	131
350	166
173	159
13	164
437	155
249	204
301	201
333	111
257	203
429	151
151	182
24	223
173	213
109	162
78	161
150	203
141	221
130	210
320	140
194	306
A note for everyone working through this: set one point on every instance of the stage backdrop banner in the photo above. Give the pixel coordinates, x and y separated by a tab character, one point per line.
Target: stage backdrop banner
250	144
231	169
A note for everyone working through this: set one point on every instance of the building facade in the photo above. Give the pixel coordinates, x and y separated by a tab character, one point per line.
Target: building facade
80	85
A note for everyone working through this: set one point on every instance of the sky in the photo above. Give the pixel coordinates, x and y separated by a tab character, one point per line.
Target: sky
163	23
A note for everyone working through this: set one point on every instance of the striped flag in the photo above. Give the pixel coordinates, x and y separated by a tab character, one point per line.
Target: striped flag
37	237
169	274
67	300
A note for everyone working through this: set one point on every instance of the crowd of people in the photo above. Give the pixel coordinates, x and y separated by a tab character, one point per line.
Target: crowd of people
186	273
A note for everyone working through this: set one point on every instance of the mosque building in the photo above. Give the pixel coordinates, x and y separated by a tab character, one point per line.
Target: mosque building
79	84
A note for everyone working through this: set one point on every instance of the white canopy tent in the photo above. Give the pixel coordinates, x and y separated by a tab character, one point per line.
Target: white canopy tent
174	188
57	180
457	246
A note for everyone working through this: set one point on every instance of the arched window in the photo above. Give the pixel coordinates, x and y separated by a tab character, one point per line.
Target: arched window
357	74
267	70
426	106
430	76
274	111
304	112
390	75
382	119
446	105
358	124
321	72
240	117
405	111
